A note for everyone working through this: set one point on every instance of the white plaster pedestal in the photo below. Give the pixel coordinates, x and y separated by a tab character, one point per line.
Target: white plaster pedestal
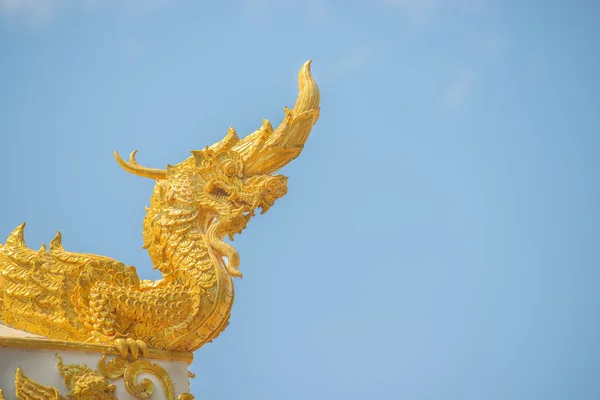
36	356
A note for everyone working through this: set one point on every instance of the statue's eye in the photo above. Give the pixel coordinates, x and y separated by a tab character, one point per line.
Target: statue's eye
275	187
229	168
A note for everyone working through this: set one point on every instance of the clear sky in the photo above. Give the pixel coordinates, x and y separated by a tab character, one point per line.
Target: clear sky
440	237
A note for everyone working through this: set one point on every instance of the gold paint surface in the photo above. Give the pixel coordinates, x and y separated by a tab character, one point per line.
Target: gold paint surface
75	297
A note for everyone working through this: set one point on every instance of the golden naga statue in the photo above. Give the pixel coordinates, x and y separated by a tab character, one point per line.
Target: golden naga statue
195	204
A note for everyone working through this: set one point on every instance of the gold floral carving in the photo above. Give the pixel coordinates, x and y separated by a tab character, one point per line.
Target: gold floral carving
1	395
74	297
130	371
84	383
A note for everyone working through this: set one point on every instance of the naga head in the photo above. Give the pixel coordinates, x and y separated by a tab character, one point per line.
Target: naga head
93	386
84	383
229	180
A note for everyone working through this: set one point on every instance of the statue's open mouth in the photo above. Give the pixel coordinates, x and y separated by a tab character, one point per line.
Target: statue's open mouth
222	192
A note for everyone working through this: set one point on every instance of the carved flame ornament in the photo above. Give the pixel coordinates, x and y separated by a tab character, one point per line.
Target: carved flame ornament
195	204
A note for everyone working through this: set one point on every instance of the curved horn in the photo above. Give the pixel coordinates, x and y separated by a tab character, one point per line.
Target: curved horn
136	169
265	151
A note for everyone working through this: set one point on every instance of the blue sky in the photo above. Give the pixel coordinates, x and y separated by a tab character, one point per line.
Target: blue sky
440	235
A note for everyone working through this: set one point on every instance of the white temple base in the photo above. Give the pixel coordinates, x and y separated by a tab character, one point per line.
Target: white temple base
37	358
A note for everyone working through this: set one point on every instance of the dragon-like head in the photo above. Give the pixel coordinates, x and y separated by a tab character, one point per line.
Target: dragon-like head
229	180
93	386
